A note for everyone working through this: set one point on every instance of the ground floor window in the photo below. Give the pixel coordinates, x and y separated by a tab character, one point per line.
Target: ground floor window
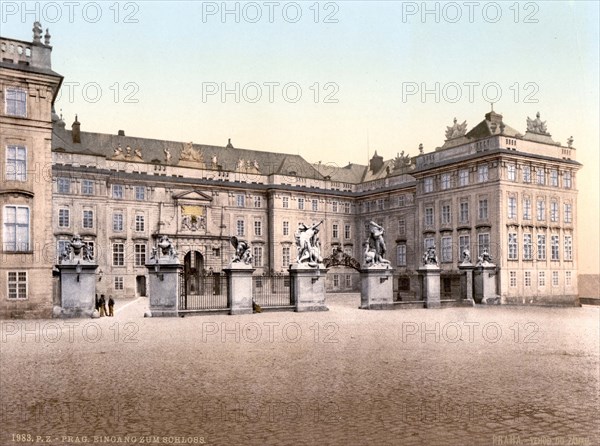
119	283
17	284
513	278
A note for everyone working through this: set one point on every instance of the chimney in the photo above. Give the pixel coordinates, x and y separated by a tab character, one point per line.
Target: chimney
121	133
376	163
76	132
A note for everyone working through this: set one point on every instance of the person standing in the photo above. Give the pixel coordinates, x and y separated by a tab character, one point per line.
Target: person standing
111	305
102	304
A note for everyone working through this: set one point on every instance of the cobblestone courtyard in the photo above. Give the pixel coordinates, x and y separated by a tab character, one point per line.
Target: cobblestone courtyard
464	376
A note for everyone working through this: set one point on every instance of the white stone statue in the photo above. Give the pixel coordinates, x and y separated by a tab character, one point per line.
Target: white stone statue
242	251
377	244
308	244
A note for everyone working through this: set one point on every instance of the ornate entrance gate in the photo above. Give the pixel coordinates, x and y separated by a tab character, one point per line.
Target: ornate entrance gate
200	289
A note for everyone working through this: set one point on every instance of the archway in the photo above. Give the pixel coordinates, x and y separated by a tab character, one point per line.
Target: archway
193	269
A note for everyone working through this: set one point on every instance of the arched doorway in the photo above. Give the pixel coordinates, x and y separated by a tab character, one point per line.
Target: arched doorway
193	269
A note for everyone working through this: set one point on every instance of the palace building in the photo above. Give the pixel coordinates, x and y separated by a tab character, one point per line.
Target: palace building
495	188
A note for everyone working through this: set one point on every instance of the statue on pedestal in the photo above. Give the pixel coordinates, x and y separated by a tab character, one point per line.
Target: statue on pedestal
308	244
466	256
166	248
376	249
430	257
485	258
242	251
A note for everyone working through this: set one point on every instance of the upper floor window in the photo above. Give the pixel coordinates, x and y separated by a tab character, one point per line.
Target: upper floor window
554	241
541	176
334	231
140	223
512	207
258	256
553	211
568	254
464	211
240	227
463	177
140	193
63	218
286	228
401	255
257	201
16	102
334	206
88	219
527	247
240	200
526	209
511	170
483	209
346	208
117	222
401	227
541	210
140	254
483	243
401	201
482	173
446	214
118	251
512	246
63	185
568	213
117	191
257	228
446	249
526	174
380	204
315	205
16	163
87	187
567	179
300	203
346	231
445	182
554	178
429	216
285	202
16	228
428	185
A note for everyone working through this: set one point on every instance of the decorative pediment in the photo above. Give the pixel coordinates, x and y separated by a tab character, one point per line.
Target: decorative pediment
193	195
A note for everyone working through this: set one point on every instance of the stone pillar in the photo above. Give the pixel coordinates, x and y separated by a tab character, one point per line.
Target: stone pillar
485	283
77	288
239	288
308	287
467	282
431	285
376	288
164	286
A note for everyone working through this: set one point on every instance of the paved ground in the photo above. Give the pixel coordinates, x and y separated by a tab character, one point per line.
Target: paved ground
469	376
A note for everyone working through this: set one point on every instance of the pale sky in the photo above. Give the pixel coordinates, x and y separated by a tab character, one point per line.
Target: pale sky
157	70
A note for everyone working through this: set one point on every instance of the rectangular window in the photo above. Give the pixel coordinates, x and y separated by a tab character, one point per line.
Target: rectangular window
446	249
527	278
285	202
554	278
445	181
140	223
16	102
512	207
140	254
117	191
541	210
464	212
554	248
483	209
258	256
240	200
285	254
554	178
541	247
315	205
63	185
119	283
512	246
257	201
553	211
348	280
240	227
526	209
541	176
541	279
402	227
429	216
446	214
117	222
257	228
87	187
401	201
463	177
568	213
428	242
16	163
88	219
336	281
347	232
301	203
16	228
568	240
140	193
483	243
335	233
464	242
17	284
482	173
511	170
334	206
567	179
118	251
428	185
380	204
568	277
286	228
346	208
512	278
526	174
401	255
64	220
527	247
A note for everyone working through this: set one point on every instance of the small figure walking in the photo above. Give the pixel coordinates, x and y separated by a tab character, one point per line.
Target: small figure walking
97	303
111	305
102	304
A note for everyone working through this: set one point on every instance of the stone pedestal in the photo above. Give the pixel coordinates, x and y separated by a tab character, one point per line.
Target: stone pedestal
376	288
164	286
308	287
239	288
431	285
467	282
77	288
485	284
